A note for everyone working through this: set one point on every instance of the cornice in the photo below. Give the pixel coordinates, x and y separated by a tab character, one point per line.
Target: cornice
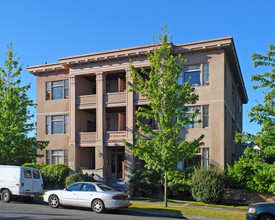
225	43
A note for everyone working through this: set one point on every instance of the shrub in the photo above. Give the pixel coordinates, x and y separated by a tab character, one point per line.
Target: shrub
251	172
53	175
35	165
208	184
145	182
78	177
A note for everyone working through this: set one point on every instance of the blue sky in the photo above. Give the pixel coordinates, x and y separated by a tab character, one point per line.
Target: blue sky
47	30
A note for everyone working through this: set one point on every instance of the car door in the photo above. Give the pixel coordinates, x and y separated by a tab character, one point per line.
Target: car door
27	181
37	182
69	195
86	195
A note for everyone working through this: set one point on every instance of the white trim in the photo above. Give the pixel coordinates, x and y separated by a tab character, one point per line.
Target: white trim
53	113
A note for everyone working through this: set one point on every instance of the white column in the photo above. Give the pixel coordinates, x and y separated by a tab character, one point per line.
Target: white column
72	137
130	120
100	152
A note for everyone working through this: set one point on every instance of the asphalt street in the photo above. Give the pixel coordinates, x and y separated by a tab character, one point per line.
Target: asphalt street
37	210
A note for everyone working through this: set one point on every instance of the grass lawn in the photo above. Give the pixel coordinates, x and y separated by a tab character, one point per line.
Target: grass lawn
193	203
188	211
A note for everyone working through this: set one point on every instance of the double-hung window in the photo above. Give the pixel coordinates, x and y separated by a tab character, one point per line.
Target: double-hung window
197	75
196	122
56	156
205	157
201	119
57	90
57	124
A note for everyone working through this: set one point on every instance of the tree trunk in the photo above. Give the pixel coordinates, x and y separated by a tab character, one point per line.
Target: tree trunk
165	188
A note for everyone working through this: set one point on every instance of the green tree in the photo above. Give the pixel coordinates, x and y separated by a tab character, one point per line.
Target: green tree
251	172
166	107
15	147
263	113
252	168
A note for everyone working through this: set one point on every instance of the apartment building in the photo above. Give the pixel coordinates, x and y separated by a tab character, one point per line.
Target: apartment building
85	111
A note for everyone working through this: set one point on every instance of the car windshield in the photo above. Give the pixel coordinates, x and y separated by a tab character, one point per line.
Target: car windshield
105	188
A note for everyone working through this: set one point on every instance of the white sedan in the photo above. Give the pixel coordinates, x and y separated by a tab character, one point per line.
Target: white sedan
88	194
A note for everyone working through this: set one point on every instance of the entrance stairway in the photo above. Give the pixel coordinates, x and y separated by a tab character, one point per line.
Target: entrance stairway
118	184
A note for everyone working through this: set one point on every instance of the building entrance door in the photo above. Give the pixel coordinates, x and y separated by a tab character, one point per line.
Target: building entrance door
117	162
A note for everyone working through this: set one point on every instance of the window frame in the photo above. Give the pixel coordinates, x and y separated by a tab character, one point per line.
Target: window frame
49	121
202	69
49	156
202	117
207	158
27	174
49	89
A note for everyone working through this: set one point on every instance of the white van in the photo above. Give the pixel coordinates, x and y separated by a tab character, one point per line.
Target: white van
16	181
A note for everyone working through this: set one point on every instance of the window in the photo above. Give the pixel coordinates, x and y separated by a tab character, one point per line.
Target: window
27	174
196	74
192	73
202	118
66	119
48	125
66	89
205	157
57	156
206	74
66	156
205	116
88	187
180	79
57	124
195	121
36	174
48	157
57	90
104	187
74	187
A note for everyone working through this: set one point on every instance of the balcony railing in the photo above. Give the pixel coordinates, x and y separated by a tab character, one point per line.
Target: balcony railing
86	101
115	135
139	99
85	139
115	98
145	136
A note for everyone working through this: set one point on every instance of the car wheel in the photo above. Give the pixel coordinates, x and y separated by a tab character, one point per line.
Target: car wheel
6	196
267	217
54	201
98	206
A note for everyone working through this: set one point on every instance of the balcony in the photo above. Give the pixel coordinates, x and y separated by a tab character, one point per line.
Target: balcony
115	99
140	100
86	139
145	136
86	101
114	138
